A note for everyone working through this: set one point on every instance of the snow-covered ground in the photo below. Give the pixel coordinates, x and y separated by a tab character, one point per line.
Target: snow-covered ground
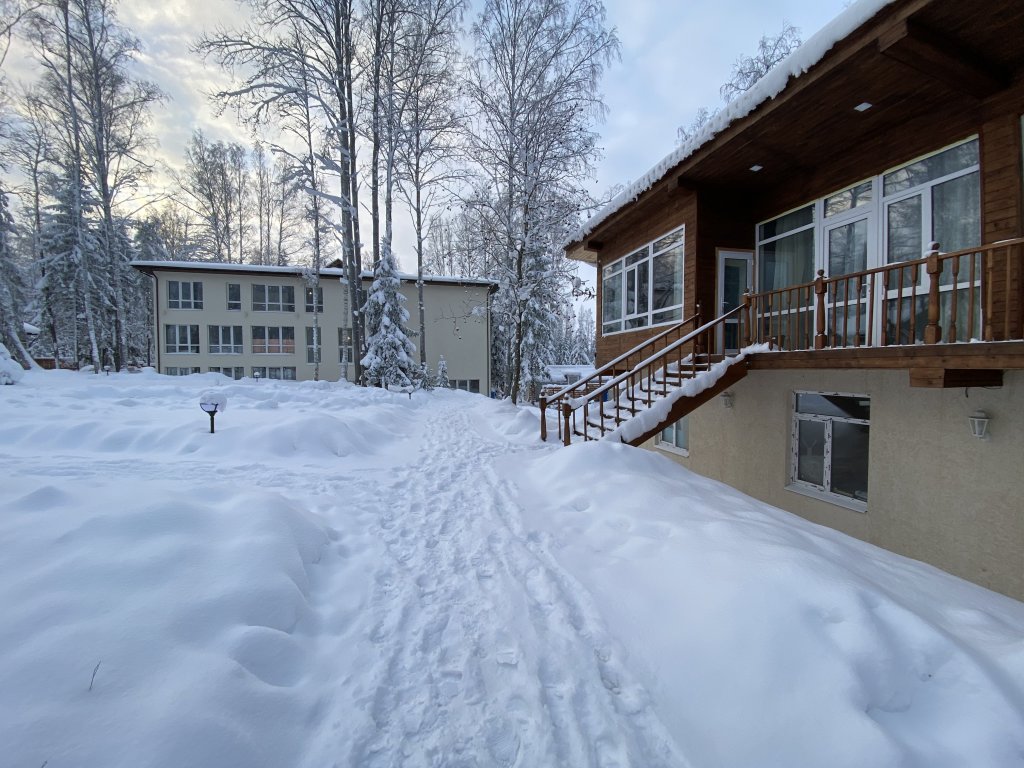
348	577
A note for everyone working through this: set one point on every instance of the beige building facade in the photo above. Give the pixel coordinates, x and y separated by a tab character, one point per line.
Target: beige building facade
248	321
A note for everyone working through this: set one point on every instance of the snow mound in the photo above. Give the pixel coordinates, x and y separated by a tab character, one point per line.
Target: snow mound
11	371
726	604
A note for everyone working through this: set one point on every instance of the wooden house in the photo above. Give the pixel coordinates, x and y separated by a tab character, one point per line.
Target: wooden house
855	225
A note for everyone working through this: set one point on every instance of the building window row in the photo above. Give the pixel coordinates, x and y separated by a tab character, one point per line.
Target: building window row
266	339
466	385
183	294
279	373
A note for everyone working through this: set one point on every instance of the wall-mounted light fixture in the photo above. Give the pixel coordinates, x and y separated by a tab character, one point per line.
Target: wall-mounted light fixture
727	399
755	168
864	106
979	424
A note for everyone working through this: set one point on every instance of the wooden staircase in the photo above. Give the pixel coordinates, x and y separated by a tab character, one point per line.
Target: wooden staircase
639	393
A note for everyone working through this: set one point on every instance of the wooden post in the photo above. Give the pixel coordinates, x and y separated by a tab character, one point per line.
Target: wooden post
819	310
566	412
747	301
543	419
696	341
933	331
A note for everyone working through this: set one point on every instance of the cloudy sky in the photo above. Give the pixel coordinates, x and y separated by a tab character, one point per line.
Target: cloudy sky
675	55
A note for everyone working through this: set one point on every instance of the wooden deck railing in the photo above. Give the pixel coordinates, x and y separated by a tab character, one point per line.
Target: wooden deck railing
972	294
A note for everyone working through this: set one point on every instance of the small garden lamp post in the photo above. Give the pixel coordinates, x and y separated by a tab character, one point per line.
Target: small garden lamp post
106	369
212	403
256	375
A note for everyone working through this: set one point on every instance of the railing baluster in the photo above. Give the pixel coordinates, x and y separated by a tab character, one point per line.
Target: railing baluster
971	308
933	331
1006	301
952	333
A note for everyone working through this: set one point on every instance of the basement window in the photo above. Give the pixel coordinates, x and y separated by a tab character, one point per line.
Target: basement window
675	438
829	447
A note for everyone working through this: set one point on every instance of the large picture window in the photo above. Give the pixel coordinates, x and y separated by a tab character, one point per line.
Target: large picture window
314	337
644	288
829	447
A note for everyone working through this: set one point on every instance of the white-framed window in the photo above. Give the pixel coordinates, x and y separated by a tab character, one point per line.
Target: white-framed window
318	305
225	339
232	372
644	288
273	339
273	298
180	370
675	437
181	339
285	373
466	385
829	447
345	354
184	294
314	336
234	297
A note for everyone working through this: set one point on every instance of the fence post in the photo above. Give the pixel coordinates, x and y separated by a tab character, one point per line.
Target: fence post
543	419
819	310
747	301
933	331
566	411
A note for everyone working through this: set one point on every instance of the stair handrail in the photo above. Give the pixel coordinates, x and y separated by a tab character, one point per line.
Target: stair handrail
589	396
599	371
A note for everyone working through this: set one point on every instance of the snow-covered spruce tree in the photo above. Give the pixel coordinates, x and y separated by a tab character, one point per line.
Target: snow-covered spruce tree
11	289
389	353
441	379
533	83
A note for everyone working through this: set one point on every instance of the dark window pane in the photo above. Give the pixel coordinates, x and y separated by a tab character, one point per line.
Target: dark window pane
850	460
834	405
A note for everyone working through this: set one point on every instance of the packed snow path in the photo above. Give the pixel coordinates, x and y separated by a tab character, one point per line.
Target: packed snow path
487	652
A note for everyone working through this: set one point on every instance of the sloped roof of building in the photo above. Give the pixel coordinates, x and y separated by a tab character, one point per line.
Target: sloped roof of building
261	269
767	88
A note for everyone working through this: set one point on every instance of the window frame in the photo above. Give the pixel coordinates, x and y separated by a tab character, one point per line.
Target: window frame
189	347
804	487
314	350
628	269
671	447
235	345
318	308
195	291
275	297
345	346
268	341
234	305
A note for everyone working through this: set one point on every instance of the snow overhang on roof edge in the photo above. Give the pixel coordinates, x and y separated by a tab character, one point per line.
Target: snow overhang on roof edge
767	88
219	266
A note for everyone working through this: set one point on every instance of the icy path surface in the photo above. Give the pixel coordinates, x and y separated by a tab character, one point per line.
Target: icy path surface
484	651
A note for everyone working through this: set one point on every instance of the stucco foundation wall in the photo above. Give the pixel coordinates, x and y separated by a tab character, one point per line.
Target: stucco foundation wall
935	493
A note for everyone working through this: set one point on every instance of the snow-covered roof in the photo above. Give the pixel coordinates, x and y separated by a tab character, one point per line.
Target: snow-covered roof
220	266
767	88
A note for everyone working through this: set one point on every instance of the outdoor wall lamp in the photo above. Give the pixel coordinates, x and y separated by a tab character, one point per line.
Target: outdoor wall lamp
979	424
727	399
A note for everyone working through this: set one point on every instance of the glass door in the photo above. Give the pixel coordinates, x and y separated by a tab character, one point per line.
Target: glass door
735	272
848	252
